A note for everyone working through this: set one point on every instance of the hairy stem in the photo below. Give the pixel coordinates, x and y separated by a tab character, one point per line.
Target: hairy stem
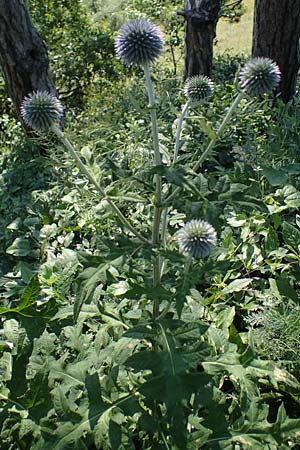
158	186
186	272
179	130
176	150
81	166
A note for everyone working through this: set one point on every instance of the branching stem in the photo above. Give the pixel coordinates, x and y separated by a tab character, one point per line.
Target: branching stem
213	141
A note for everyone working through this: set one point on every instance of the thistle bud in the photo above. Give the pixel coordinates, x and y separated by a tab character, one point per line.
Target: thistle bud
198	88
197	238
40	110
259	76
139	42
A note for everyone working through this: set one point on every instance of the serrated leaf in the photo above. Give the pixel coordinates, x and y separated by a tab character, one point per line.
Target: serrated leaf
206	126
93	276
68	433
60	402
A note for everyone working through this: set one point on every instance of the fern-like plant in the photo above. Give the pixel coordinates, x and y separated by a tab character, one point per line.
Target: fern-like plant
275	334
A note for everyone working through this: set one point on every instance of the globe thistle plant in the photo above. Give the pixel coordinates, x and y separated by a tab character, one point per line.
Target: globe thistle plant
139	42
40	110
197	238
259	76
198	88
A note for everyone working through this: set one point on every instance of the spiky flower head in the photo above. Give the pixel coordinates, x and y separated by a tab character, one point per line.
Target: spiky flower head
197	238
139	42
40	110
259	76
197	88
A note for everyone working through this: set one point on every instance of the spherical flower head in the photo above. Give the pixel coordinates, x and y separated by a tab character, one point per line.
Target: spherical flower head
139	42
259	76
197	238
198	88
40	110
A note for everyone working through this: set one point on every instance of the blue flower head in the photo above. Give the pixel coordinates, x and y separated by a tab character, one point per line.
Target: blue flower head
259	76
40	110
198	88
139	42
197	238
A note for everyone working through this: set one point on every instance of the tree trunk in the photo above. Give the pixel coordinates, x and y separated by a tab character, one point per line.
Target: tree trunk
201	17
23	54
276	35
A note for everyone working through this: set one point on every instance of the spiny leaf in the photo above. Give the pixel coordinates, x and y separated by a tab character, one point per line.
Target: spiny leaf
92	276
68	433
206	126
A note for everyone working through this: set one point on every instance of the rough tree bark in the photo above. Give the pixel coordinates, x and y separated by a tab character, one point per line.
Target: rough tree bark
23	54
276	34
201	17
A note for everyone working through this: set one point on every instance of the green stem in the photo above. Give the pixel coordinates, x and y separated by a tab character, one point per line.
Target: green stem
158	186
186	272
179	130
213	142
165	441
176	150
92	180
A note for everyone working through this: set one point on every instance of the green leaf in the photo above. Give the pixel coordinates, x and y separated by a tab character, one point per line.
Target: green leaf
291	196
132	197
272	241
30	294
238	285
60	402
292	168
276	177
28	298
178	176
291	235
20	247
93	388
6	366
206	126
90	279
286	289
144	360
115	435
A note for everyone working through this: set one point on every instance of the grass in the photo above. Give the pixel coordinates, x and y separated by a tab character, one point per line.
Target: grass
236	37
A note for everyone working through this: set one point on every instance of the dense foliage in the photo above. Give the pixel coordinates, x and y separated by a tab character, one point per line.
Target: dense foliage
83	364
